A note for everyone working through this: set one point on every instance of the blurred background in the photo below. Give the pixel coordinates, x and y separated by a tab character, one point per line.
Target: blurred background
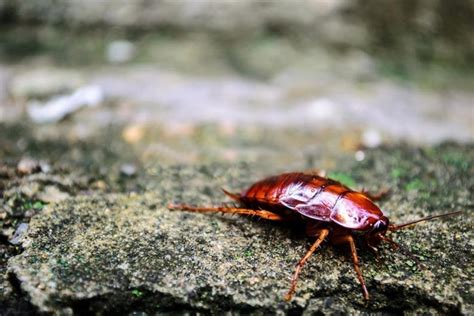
182	81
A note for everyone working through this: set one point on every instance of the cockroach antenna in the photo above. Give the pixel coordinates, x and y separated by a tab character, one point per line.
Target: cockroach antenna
427	218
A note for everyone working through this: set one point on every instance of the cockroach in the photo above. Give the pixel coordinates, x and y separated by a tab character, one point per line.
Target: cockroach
329	210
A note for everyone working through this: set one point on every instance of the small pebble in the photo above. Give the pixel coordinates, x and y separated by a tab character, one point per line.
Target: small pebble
100	184
45	167
5	172
120	51
27	166
359	155
133	134
29	213
19	233
51	194
371	138
128	170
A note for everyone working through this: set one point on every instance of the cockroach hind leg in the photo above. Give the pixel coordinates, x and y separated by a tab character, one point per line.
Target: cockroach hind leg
323	233
229	210
348	239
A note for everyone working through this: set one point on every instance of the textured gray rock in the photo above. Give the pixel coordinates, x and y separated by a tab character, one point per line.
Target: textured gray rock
127	252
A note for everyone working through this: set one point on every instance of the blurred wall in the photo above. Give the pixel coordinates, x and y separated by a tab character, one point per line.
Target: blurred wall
421	29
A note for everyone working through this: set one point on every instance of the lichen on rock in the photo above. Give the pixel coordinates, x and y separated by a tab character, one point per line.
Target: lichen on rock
128	252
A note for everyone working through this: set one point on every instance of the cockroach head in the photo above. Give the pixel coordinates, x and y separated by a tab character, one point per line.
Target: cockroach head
380	227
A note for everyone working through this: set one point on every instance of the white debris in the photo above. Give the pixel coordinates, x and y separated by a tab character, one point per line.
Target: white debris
120	52
28	165
20	232
371	138
128	169
323	109
51	194
359	155
58	107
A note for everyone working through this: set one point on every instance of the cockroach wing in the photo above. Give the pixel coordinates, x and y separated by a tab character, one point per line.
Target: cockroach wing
300	192
319	212
348	218
296	194
349	214
299	197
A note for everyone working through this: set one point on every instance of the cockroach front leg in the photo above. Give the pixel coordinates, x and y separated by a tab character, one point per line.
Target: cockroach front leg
374	250
229	210
348	239
323	233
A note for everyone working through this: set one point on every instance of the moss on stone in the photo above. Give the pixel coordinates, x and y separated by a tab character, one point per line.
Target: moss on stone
127	252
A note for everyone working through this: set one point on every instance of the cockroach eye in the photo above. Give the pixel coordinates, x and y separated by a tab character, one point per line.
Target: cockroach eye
381	225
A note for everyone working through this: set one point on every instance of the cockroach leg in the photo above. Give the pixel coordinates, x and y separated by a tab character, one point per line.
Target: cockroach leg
348	239
229	210
392	243
376	196
323	233
374	250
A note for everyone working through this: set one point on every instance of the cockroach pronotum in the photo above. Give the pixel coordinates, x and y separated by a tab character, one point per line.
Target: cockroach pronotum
329	210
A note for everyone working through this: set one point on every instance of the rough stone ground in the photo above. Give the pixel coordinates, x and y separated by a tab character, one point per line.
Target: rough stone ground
105	251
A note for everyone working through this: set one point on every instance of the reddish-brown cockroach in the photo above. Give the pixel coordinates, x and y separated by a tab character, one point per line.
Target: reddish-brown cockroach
329	210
